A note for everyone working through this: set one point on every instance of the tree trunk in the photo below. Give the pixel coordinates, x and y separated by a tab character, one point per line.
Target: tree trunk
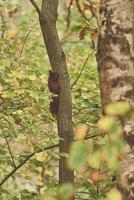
58	64
116	74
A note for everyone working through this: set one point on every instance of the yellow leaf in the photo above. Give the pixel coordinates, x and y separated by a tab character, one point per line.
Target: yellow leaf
39	169
95	159
34	95
39	178
106	123
5	95
114	194
39	183
49	173
32	77
11	33
1	88
118	108
17	74
37	33
81	131
41	156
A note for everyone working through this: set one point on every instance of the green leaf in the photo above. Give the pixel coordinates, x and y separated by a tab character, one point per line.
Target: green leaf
118	108
66	191
95	160
114	194
79	152
107	123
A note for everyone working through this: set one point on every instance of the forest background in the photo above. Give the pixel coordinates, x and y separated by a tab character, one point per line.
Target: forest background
28	131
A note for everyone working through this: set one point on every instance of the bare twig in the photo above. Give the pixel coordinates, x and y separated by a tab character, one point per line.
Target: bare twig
94	136
77	78
9	149
23	45
25	39
36	7
69	13
80	10
32	154
93	13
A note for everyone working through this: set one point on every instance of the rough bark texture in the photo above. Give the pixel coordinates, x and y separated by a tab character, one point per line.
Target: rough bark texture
116	74
58	64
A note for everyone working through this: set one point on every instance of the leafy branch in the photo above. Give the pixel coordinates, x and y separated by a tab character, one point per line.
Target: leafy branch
24	161
79	75
32	154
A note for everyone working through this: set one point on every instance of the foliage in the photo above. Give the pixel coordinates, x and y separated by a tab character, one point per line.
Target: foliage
26	124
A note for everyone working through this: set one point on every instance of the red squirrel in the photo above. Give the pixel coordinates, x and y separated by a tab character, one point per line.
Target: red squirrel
54	87
54	106
53	82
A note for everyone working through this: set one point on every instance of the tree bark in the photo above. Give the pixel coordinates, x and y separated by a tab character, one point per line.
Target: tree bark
58	64
116	74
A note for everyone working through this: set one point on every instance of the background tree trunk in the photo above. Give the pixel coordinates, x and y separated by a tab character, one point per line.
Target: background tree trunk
116	74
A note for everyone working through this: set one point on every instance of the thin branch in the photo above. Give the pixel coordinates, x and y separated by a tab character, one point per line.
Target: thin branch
69	13
36	7
4	145
9	149
24	161
82	69
80	10
94	136
91	9
32	154
93	13
23	45
25	39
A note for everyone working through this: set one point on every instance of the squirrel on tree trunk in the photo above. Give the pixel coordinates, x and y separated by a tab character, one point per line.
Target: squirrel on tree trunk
54	87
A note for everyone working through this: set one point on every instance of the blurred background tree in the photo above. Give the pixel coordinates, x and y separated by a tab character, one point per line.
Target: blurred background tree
26	125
